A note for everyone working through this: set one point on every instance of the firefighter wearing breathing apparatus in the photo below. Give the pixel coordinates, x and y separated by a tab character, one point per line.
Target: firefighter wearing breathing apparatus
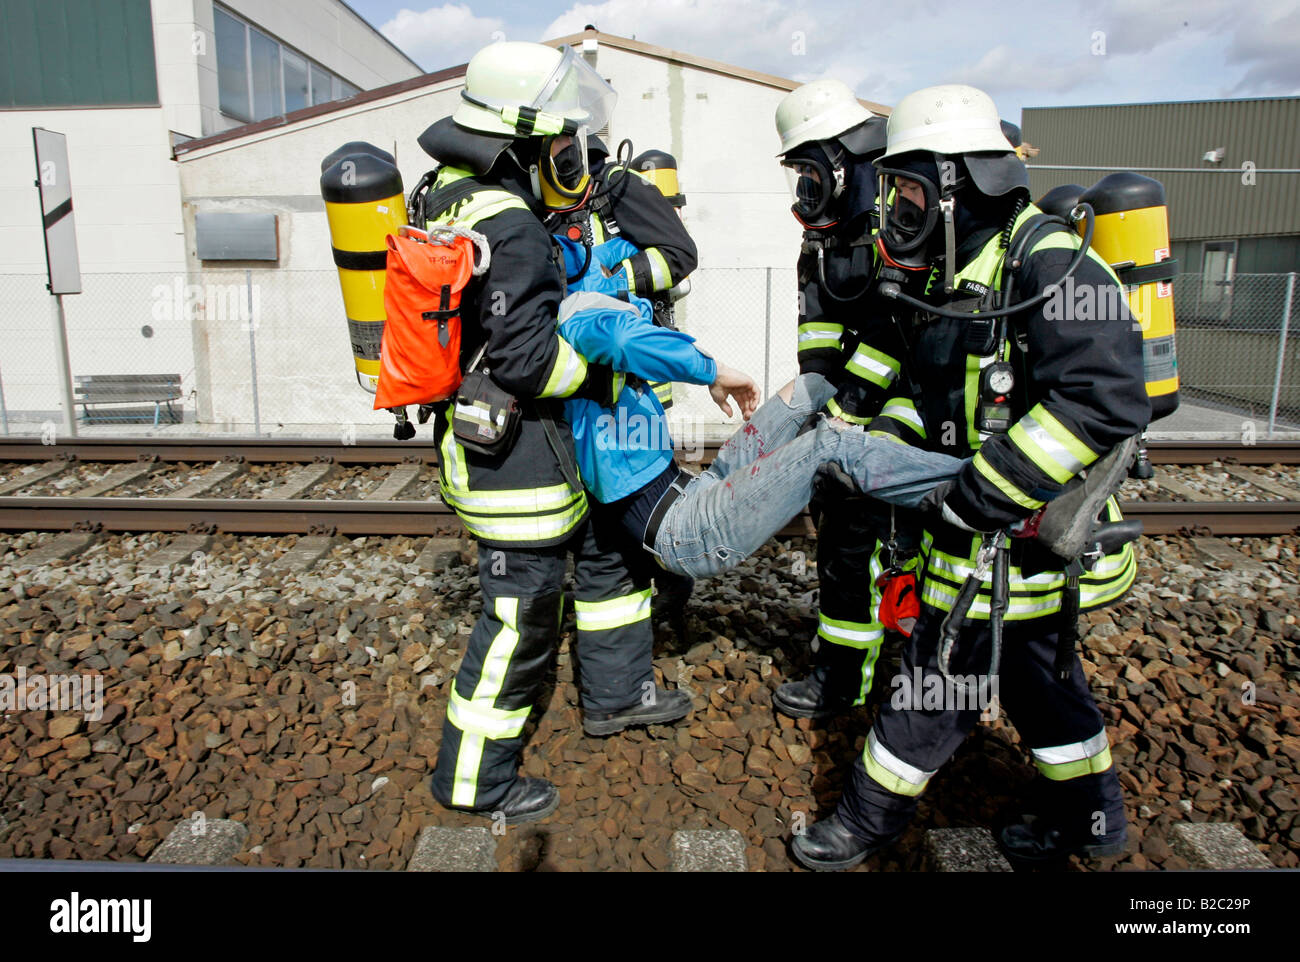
1039	403
514	482
637	200
828	141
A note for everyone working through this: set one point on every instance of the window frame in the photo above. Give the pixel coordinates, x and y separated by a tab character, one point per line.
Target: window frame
336	81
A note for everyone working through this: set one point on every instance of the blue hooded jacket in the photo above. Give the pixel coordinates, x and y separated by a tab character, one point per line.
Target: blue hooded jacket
621	451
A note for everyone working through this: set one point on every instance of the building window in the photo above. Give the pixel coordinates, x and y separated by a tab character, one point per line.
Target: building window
259	77
1218	266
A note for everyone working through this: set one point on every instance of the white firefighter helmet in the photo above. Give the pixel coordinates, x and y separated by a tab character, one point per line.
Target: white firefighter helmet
517	89
947	119
817	111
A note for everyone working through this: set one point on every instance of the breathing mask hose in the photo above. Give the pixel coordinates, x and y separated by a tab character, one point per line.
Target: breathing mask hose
821	276
893	291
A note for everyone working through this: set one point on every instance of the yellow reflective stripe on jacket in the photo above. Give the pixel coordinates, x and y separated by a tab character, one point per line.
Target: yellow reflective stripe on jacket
567	373
534	527
1050	445
904	410
1002	484
614	612
850	634
816	335
479	206
887	436
1029	597
836	411
872	365
663	391
1062	762
891	772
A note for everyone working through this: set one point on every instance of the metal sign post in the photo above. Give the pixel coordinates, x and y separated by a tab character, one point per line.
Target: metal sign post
54	181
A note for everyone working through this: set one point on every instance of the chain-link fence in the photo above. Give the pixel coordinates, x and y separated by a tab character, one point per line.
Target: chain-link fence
267	351
1238	342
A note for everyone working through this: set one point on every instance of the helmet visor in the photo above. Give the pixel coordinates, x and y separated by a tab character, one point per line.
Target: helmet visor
576	92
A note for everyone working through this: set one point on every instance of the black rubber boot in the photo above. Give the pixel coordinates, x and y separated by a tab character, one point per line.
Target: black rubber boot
830	847
668	706
814	697
1037	841
528	800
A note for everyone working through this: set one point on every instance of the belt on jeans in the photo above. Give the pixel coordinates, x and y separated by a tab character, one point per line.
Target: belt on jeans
671	494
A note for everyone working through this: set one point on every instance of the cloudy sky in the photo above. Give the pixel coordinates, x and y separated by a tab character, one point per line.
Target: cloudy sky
1026	53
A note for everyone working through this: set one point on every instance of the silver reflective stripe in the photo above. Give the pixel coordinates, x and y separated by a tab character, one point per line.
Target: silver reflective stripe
1052	447
904	412
871	364
819	334
1076	752
895	765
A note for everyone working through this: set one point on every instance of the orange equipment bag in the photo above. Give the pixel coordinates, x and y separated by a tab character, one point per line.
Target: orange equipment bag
899	604
426	273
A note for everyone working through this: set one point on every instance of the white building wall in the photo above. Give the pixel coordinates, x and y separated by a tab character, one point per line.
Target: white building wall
720	129
127	199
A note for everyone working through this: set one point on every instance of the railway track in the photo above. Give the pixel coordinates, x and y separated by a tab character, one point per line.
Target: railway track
382	510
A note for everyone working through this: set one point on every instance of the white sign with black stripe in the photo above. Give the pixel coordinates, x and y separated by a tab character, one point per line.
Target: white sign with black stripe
55	184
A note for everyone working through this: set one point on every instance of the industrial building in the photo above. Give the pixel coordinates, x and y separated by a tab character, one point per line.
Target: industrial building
1231	170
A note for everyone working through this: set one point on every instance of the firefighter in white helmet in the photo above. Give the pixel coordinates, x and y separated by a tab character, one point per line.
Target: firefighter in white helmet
519	495
828	143
1033	401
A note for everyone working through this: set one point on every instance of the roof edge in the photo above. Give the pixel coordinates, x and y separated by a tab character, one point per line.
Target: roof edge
458	71
380	34
307	113
1165	103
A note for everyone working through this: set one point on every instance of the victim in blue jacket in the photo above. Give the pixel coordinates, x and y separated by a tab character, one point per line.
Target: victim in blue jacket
622	450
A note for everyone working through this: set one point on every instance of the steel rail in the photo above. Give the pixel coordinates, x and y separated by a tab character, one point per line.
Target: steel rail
378	451
351	517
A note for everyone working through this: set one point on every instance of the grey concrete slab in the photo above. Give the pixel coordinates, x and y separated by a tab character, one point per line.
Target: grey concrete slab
1252	476
220	473
179	551
47	470
1178	489
440	553
1202	418
115	478
59	548
964	850
441	848
707	850
1223	555
298	481
212	841
305	553
1216	845
399	479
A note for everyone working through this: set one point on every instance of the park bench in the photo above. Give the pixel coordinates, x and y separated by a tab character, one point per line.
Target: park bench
120	389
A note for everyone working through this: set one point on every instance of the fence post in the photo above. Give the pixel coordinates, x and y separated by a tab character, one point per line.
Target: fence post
767	335
1281	351
252	352
4	410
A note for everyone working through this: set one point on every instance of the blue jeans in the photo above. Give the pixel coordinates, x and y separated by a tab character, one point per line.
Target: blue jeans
763	477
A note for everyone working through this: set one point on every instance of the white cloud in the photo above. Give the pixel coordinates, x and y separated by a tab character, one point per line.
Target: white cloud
442	36
759	34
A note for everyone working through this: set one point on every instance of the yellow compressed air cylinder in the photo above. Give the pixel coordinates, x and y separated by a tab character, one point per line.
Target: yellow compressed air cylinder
1132	234
364	203
660	168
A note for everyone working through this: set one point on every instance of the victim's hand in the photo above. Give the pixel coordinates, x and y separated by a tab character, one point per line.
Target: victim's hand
739	387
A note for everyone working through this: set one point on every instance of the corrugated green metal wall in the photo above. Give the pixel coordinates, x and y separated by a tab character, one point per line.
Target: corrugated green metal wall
1213	204
76	53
